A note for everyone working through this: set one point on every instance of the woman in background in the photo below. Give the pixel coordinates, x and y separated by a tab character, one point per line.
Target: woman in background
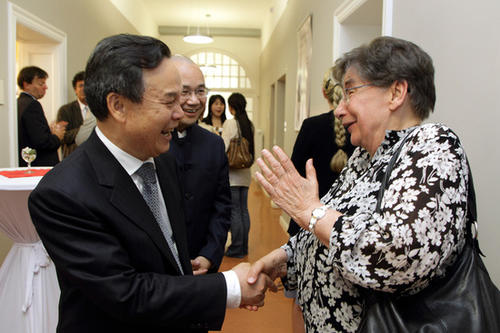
239	179
216	113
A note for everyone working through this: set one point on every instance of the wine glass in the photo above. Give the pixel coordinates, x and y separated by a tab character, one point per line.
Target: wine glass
28	154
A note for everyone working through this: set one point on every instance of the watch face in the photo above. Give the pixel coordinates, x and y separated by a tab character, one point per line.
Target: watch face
318	212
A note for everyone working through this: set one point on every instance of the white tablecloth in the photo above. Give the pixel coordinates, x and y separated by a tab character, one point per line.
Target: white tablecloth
29	292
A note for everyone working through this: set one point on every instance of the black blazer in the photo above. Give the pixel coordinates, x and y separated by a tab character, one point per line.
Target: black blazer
71	113
33	131
114	267
316	140
202	160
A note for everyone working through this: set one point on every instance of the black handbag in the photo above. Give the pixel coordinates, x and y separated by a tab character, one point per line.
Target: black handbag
463	300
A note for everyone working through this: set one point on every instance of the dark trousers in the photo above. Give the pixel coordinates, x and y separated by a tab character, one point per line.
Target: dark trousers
240	222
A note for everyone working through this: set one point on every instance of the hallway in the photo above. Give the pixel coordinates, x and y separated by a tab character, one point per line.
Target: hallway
266	234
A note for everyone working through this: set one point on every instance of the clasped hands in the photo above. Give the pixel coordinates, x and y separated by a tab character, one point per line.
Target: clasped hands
59	129
257	278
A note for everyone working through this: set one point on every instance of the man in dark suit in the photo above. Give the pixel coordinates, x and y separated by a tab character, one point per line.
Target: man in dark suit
110	215
33	129
74	114
202	160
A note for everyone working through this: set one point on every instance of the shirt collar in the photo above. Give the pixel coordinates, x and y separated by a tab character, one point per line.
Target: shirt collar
82	106
27	93
127	161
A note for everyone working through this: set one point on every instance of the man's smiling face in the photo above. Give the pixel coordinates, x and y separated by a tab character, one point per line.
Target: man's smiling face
192	80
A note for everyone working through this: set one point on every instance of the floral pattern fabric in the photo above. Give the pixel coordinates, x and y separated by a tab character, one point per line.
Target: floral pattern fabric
417	234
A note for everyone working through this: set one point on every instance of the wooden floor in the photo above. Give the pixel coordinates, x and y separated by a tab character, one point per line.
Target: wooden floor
266	234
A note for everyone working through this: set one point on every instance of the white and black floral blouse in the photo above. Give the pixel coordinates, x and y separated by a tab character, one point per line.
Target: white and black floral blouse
416	236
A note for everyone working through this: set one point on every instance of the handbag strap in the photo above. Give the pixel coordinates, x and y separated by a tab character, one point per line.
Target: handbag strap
388	171
471	197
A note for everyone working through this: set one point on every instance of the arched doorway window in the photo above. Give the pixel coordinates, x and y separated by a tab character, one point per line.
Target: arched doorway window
225	75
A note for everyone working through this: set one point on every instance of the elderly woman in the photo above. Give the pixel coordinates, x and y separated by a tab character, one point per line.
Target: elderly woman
344	244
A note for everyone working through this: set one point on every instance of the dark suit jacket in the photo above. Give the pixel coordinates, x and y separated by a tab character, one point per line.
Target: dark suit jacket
114	267
71	113
316	140
202	159
33	131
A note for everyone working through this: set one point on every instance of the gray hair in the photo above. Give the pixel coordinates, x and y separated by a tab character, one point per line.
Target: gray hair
387	60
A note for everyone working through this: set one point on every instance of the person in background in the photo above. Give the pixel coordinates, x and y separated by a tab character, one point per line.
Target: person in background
204	170
326	141
345	244
239	179
216	113
110	214
33	129
73	113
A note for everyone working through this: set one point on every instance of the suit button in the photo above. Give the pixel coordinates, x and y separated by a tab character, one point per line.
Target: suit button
188	196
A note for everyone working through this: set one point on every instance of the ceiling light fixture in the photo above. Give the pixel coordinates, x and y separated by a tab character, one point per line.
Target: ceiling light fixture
199	37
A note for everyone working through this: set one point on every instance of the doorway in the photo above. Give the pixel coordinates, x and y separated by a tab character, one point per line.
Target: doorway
32	41
357	22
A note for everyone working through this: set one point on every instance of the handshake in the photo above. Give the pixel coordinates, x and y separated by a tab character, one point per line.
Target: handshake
255	279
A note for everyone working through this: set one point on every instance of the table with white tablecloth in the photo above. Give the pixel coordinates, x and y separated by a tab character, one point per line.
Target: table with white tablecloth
29	292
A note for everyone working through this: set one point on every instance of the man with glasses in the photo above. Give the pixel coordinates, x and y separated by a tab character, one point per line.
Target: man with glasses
204	170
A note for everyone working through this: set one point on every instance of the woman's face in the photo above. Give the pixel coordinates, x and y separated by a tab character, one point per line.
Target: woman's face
365	114
218	108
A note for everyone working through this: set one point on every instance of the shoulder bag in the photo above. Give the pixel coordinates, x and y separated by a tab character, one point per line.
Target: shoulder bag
238	154
463	300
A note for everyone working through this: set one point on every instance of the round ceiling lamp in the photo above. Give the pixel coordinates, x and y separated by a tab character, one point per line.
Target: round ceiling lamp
198	37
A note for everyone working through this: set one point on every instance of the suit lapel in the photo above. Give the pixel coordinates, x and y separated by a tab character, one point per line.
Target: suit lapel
175	206
78	120
124	194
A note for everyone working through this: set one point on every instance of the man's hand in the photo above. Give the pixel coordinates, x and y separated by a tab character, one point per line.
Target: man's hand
252	295
59	129
200	265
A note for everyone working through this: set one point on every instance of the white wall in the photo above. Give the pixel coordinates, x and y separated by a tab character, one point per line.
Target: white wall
354	35
462	38
137	14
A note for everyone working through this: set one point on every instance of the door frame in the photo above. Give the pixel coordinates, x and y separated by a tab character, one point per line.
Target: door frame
346	9
16	14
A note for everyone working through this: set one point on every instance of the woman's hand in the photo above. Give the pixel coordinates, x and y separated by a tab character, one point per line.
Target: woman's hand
296	195
273	264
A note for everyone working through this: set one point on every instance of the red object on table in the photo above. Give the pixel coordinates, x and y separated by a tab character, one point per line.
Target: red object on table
23	173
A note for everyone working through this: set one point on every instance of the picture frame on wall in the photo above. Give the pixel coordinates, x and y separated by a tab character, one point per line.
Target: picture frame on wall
304	44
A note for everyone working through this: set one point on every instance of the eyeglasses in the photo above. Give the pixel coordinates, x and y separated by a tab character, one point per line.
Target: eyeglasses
200	92
348	92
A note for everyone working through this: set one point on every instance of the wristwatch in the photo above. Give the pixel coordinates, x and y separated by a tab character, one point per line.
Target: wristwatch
316	215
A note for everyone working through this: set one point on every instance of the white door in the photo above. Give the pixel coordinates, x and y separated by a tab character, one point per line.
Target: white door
45	57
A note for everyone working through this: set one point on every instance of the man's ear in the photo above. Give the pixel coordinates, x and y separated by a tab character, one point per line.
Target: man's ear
399	92
116	106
